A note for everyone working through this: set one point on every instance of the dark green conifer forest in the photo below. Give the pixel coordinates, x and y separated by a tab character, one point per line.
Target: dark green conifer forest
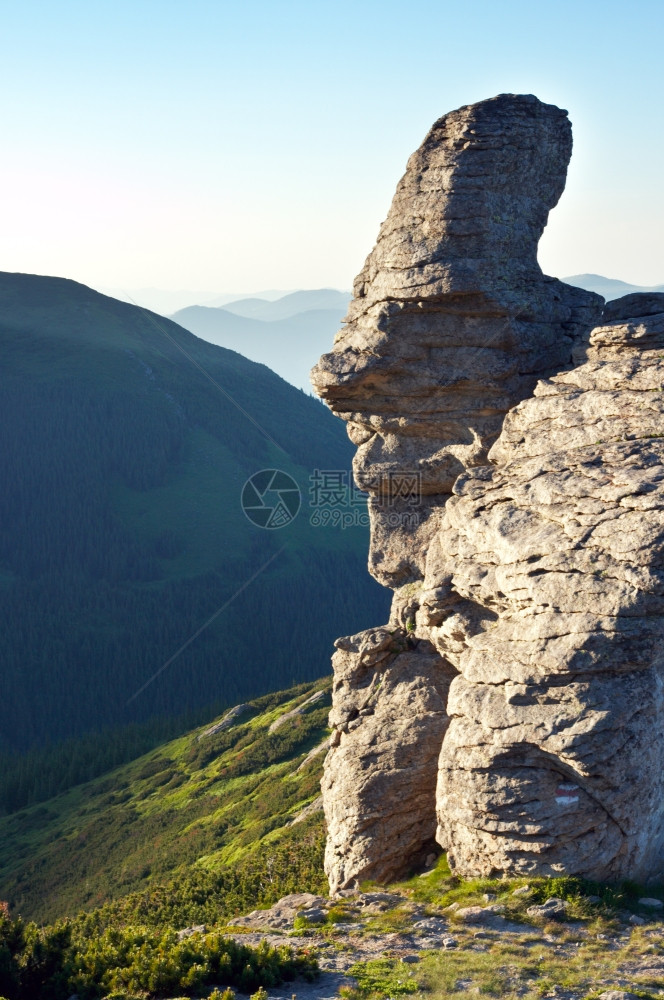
124	445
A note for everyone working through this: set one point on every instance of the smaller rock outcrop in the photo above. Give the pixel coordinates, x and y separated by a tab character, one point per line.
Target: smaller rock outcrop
633	322
389	720
228	720
302	709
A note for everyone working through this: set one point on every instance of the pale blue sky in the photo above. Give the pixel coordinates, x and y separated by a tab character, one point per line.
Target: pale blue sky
234	147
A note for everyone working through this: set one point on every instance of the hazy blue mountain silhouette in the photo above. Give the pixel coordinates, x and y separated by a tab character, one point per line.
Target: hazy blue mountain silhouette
290	346
290	305
610	288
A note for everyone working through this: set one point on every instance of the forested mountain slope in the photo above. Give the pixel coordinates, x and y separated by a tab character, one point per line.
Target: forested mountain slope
125	444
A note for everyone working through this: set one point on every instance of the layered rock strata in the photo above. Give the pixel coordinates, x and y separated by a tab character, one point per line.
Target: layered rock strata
527	615
452	320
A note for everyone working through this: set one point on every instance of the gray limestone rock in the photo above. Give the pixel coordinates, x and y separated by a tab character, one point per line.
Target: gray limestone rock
190	931
321	748
553	909
281	915
479	914
516	507
302	709
310	810
228	720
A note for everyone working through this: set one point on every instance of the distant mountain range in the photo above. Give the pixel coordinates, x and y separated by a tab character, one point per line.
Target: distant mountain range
288	335
166	301
610	288
289	332
317	300
125	444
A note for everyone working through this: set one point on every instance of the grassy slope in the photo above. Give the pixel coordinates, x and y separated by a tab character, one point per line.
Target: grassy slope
186	810
196	832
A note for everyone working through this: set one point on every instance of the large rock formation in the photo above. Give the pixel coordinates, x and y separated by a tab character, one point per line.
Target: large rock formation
452	320
537	585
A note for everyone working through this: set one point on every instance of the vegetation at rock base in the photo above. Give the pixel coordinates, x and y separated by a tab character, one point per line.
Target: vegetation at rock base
521	968
524	956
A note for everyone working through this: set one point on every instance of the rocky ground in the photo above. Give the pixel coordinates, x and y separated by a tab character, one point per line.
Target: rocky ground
500	944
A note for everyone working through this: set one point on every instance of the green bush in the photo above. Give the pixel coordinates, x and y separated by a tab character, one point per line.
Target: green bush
53	962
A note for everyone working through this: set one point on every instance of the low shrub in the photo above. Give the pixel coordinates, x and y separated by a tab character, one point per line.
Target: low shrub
54	962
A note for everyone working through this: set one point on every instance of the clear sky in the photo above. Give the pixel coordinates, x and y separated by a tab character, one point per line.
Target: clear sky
248	145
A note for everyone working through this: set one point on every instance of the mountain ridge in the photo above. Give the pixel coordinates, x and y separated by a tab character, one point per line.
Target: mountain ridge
289	346
609	288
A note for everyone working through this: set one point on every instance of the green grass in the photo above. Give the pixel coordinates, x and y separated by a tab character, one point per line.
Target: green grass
512	966
181	814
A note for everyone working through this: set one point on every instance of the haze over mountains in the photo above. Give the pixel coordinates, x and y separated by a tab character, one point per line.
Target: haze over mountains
610	288
288	335
167	300
289	332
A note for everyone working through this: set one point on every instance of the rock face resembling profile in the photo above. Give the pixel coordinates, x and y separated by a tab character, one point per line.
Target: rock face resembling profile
452	320
511	438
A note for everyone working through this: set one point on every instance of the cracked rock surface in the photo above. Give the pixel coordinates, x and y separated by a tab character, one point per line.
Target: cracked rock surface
389	720
554	758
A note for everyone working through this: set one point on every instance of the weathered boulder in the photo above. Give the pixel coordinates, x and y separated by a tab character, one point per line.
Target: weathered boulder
379	782
554	555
